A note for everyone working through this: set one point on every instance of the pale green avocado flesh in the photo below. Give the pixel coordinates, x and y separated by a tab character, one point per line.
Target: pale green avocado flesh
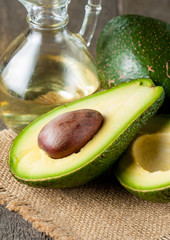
144	169
125	109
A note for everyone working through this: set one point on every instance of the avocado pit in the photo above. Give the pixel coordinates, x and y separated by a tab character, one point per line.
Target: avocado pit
69	132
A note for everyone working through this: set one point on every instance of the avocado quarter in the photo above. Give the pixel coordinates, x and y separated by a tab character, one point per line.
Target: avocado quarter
125	109
144	169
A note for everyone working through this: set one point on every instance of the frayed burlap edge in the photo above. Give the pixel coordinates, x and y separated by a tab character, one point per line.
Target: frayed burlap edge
30	214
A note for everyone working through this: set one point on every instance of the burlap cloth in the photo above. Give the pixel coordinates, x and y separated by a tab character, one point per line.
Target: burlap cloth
101	210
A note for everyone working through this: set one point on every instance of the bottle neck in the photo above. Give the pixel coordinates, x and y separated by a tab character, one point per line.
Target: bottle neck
44	16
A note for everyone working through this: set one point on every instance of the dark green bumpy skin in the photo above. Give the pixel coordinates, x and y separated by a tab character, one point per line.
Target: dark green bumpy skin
132	46
103	162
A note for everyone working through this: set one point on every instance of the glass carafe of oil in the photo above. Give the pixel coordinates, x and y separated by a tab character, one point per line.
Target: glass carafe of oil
47	66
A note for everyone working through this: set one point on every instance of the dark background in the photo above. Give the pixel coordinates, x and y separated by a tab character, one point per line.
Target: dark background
12	23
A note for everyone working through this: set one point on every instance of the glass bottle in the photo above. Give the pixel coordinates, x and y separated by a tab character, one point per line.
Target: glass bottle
47	66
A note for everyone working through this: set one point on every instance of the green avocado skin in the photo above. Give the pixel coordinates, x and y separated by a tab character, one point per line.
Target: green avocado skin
133	46
162	196
103	162
162	193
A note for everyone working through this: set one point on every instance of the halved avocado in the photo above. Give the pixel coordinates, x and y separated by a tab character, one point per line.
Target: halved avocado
125	109
144	169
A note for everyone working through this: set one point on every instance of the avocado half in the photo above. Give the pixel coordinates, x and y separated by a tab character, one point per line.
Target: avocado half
125	109
144	169
133	46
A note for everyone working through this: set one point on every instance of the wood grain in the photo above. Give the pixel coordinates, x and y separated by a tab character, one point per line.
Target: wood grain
14	227
153	8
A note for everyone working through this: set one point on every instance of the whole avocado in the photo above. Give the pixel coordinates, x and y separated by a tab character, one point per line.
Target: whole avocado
133	46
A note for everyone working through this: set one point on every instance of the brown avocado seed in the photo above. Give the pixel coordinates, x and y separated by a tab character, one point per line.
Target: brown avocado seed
69	132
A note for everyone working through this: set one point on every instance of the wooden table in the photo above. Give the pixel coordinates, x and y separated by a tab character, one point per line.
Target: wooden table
12	23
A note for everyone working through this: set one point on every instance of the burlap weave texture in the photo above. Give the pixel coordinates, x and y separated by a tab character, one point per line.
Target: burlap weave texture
100	210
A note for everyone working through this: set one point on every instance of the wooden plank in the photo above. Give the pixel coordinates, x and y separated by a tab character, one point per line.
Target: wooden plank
14	227
153	8
12	21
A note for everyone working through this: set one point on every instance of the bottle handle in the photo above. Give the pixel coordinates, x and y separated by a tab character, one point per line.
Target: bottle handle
92	11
